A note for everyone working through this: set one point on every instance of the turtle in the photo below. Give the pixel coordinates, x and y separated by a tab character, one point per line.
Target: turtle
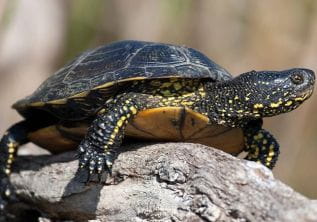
152	91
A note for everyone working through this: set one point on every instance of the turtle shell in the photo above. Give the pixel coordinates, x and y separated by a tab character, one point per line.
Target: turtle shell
123	61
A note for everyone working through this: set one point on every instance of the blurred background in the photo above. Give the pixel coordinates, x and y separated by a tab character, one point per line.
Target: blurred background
38	37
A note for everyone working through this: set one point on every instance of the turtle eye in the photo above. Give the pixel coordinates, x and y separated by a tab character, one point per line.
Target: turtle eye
297	78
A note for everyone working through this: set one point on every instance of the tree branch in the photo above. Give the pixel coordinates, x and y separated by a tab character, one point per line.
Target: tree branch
159	182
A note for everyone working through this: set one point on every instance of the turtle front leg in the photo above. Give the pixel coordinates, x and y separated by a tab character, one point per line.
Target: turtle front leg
97	150
261	146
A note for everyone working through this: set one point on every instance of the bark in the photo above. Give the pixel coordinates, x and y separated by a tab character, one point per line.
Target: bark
157	182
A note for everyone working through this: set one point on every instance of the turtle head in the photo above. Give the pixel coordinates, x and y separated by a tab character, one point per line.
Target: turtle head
254	95
275	92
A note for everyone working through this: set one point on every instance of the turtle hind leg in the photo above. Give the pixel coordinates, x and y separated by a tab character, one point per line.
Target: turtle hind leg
261	146
15	136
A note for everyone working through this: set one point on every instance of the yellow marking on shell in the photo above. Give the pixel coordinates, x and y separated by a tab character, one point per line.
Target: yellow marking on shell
37	104
166	93
80	95
173	79
247	98
102	111
7	171
9	161
289	103
236	97
240	111
268	97
275	105
11	150
258	106
264	141
166	85
230	101
57	102
155	83
177	86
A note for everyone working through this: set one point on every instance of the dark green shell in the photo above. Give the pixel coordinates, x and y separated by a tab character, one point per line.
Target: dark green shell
124	60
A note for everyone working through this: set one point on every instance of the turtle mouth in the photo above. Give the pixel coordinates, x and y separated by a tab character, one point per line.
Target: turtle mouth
303	95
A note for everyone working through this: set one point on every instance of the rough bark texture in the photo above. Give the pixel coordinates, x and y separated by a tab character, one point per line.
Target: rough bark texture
159	182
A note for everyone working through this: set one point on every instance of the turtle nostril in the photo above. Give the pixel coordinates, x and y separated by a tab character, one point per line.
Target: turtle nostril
297	78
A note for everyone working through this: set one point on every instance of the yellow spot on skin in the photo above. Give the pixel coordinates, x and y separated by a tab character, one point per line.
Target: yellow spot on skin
247	98
230	101
268	159
7	192
116	130
11	150
264	141
7	171
275	105
257	106
288	103
299	99
120	123
271	153
133	110
240	111
236	97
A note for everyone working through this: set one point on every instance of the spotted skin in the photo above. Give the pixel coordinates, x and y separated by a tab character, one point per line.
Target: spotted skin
97	150
260	145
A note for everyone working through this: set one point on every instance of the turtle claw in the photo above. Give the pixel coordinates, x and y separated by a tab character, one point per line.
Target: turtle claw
95	163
